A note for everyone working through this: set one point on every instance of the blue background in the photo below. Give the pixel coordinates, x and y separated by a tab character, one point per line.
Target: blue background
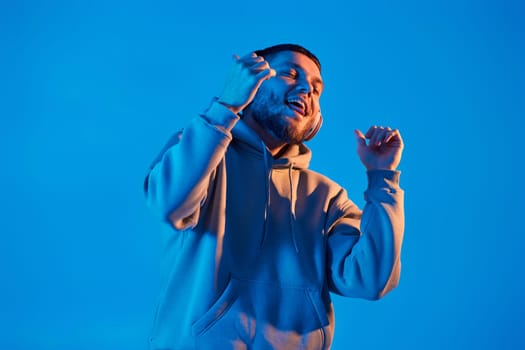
90	91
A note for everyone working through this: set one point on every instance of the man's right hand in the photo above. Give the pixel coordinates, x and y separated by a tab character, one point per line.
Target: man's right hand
247	75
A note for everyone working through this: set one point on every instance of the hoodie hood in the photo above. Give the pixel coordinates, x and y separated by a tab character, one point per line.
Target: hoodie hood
295	156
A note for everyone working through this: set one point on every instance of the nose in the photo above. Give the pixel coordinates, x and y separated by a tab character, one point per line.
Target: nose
304	87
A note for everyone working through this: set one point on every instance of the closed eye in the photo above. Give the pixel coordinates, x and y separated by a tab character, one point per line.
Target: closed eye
292	73
317	86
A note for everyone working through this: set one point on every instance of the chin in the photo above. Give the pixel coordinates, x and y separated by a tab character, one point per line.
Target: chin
293	137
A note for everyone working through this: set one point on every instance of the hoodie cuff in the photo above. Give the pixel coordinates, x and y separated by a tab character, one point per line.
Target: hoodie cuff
220	116
383	179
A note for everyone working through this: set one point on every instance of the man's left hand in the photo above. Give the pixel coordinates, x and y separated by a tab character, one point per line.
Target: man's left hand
383	150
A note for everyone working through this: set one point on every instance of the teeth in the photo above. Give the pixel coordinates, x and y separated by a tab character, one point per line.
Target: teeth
297	102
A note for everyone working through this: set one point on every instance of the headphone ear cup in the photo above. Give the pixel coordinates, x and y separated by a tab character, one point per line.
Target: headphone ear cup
315	127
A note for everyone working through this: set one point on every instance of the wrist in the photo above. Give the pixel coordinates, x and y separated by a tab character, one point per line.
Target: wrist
235	110
217	114
383	178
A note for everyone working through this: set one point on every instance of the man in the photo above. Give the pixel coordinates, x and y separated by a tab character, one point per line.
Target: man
254	240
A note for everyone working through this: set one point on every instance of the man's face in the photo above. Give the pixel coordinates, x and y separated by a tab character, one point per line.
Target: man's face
287	105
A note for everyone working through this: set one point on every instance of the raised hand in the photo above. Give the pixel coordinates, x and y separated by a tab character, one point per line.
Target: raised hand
246	76
383	150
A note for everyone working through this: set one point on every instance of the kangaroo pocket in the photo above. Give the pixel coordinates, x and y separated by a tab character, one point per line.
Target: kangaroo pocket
252	311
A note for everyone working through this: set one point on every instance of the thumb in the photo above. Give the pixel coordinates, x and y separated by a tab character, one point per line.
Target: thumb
360	137
236	57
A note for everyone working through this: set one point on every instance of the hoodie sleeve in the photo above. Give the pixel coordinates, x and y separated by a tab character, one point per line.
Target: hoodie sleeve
178	180
364	248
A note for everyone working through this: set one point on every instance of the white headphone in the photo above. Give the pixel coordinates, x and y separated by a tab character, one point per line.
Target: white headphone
315	127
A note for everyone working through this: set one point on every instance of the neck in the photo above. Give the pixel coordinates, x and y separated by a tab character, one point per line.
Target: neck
274	145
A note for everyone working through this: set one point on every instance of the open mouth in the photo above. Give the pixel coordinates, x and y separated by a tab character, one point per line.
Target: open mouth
298	105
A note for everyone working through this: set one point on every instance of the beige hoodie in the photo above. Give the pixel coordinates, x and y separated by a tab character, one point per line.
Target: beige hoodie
254	245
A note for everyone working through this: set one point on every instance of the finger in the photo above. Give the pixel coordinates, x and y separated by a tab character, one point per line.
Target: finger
265	74
370	131
399	138
390	136
395	137
375	138
236	57
250	58
255	60
260	66
383	133
360	137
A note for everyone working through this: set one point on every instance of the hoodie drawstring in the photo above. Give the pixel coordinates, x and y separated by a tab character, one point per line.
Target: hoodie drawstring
268	178
292	209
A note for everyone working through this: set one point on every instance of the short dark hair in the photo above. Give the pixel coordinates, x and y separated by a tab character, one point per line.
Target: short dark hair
289	47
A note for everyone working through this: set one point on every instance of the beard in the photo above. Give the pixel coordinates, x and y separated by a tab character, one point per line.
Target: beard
270	112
